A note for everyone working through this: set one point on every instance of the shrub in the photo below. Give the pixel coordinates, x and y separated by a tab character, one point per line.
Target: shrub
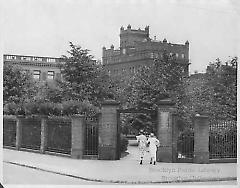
123	143
13	109
31	108
41	107
10	108
50	108
71	107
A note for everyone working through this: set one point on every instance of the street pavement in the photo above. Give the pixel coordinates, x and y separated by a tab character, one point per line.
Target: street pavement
124	171
19	175
15	174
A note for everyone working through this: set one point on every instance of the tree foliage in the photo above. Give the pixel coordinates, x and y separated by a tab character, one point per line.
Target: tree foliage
86	84
214	93
17	84
160	80
222	81
82	87
84	78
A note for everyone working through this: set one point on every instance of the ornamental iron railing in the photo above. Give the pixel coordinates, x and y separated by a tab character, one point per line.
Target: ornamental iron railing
222	139
59	135
9	131
31	133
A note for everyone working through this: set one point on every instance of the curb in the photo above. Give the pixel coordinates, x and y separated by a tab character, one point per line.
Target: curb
123	182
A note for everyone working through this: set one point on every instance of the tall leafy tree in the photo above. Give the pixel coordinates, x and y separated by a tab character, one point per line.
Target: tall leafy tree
215	92
83	77
222	79
18	84
162	79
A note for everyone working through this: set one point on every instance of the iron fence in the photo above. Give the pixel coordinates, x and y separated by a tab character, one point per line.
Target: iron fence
91	136
222	139
9	131
185	143
59	137
31	133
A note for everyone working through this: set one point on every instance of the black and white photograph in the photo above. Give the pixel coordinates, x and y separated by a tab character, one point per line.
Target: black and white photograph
119	93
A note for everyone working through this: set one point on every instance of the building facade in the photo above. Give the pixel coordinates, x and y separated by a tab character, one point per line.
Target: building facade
42	68
138	49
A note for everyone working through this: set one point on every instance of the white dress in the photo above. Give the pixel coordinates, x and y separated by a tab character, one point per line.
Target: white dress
142	140
153	143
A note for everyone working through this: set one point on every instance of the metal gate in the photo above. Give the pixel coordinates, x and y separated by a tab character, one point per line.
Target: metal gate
91	137
185	142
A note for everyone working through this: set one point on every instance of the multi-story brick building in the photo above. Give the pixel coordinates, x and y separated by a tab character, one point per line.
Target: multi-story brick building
138	49
42	68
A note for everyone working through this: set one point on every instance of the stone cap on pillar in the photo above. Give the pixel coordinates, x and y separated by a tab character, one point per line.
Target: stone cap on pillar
201	116
77	116
34	116
166	102
43	116
20	116
110	102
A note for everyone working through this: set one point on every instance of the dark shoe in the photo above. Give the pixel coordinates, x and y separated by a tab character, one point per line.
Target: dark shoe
140	162
150	162
154	163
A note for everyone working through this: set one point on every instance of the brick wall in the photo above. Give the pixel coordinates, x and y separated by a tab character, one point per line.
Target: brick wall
139	52
108	132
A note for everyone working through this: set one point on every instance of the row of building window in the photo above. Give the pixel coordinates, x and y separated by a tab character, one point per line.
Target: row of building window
37	75
51	60
132	70
10	57
156	55
141	55
26	58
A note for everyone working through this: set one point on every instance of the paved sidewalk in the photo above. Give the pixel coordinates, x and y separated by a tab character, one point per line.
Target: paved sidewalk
126	170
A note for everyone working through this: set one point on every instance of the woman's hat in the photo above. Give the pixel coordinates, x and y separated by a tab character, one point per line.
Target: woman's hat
152	135
141	131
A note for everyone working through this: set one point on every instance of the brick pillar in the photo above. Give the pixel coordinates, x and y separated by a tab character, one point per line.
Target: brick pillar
201	139
165	152
78	133
19	131
43	134
108	133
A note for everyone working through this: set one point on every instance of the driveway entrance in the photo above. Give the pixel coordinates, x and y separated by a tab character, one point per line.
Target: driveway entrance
150	114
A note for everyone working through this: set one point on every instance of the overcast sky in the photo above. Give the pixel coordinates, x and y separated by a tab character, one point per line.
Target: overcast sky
44	27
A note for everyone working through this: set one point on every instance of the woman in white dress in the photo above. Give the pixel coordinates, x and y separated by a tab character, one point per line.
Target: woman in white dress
142	141
153	144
